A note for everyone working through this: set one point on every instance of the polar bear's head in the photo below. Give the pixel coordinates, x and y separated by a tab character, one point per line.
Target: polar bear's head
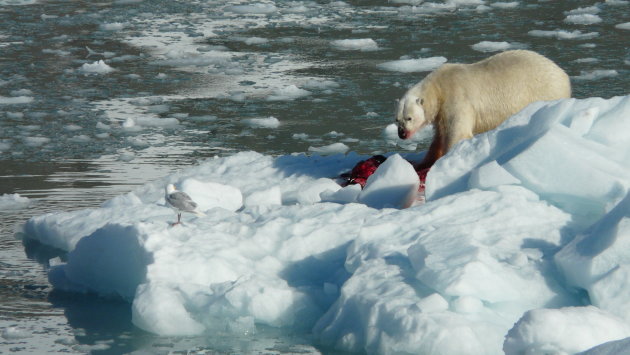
410	116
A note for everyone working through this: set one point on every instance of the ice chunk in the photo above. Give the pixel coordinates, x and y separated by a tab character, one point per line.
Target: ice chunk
511	226
9	202
334	148
563	331
583	180
583	19
4	146
587	173
13	333
211	194
113	26
310	194
346	194
16	100
269	122
90	265
174	319
394	184
490	175
489	46
413	65
505	5
596	74
563	34
288	93
362	44
255	8
35	141
98	67
597	261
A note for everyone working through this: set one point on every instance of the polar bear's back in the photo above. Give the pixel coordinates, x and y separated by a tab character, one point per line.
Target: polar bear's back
503	84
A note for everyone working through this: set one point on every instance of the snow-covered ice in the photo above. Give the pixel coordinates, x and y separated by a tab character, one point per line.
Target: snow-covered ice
520	224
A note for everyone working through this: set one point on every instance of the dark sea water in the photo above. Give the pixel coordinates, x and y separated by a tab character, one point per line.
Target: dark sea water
187	75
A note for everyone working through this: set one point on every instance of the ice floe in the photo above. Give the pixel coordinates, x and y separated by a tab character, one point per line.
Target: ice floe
519	224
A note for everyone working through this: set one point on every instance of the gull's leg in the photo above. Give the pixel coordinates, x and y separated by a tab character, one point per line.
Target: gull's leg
179	216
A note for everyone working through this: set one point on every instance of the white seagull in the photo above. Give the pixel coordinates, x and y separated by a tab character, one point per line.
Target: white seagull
180	202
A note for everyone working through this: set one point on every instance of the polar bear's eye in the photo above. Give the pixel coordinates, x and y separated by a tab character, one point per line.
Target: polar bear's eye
420	101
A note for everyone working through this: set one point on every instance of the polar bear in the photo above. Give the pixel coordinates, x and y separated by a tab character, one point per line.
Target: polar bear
462	100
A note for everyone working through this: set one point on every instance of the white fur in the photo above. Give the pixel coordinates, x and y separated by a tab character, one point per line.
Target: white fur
462	100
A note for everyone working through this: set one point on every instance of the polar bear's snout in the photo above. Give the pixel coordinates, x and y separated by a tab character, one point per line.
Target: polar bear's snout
402	133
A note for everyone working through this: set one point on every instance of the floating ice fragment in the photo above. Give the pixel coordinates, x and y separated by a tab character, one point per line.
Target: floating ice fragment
21	92
126	156
623	26
81	138
583	19
15	100
35	141
322	84
99	67
14	115
150	121
596	74
114	26
174	320
584	10
413	65
14	333
269	122
256	8
334	148
72	128
102	126
505	5
489	46
9	202
254	40
288	93
362	44
562	34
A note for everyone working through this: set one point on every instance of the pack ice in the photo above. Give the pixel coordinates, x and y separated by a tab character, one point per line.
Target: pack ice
522	246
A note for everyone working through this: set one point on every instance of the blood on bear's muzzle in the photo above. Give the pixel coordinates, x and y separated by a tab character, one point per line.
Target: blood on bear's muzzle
402	133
